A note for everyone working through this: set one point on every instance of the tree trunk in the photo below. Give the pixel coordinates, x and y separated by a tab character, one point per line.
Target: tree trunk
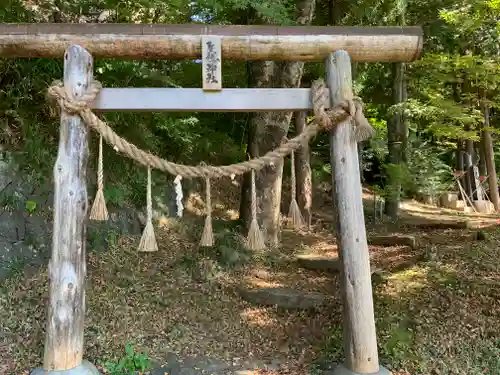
469	163
267	130
396	135
490	160
482	158
303	170
460	167
405	125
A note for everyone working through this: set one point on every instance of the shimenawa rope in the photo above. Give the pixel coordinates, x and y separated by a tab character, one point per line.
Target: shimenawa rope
324	121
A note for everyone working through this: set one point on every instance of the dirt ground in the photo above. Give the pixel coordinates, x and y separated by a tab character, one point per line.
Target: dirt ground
437	305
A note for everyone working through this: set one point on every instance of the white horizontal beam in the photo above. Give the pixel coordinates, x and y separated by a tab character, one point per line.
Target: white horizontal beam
197	100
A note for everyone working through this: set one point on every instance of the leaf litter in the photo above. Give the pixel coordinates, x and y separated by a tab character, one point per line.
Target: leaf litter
439	315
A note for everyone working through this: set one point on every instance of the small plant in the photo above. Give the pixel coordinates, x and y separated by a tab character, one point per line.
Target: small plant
30	206
130	364
112	238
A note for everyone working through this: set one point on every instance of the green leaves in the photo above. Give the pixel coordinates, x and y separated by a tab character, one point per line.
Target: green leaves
476	22
448	91
30	206
130	363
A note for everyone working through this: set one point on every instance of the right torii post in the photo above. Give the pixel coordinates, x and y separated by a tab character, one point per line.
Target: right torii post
360	341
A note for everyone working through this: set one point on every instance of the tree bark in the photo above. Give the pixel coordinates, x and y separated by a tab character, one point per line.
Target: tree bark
267	131
303	171
490	160
396	134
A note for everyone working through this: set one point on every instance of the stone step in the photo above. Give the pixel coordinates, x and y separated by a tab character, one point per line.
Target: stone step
393	240
319	262
283	297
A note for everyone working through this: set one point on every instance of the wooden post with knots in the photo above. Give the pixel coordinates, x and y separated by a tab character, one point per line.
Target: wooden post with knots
360	342
67	269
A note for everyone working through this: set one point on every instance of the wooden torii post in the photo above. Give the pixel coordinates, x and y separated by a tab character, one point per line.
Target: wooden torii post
79	42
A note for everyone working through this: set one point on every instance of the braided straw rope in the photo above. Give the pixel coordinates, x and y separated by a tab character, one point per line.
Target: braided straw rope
324	121
293	179
294	214
255	237
207	237
148	238
99	211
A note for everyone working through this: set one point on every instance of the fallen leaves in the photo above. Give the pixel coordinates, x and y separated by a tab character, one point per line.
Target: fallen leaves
435	314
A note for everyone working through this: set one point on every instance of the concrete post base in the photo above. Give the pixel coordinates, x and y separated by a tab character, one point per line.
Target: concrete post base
342	370
86	368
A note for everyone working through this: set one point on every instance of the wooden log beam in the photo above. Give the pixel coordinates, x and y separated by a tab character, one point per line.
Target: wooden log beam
198	100
360	342
174	42
67	270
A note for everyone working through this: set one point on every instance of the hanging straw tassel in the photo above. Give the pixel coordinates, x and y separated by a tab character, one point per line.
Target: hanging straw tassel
178	195
99	211
255	239
294	214
207	237
148	239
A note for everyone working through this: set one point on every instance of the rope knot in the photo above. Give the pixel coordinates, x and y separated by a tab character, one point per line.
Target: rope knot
352	108
68	102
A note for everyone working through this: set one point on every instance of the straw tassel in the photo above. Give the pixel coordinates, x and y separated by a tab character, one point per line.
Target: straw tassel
255	239
294	214
148	239
207	237
178	195
99	211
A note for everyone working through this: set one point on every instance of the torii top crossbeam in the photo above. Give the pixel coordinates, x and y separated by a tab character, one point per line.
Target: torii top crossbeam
174	42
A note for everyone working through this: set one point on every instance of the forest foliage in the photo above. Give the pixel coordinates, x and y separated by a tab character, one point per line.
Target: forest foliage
461	43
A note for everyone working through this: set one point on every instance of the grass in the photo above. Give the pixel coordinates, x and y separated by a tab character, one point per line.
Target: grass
437	315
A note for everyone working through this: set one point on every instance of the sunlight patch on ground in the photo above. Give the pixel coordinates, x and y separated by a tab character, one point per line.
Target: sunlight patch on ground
324	247
257	317
408	280
258	283
418	278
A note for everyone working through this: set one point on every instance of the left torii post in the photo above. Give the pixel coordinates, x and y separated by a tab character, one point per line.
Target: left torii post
67	269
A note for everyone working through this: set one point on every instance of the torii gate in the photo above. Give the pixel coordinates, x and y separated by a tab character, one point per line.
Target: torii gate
334	45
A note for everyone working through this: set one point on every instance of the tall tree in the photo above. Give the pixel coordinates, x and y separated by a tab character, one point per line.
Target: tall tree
489	157
396	139
397	128
267	131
